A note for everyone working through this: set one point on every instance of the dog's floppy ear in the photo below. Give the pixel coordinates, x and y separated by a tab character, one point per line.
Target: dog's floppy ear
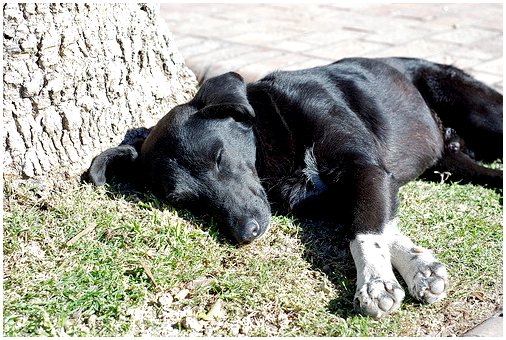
224	96
108	159
120	162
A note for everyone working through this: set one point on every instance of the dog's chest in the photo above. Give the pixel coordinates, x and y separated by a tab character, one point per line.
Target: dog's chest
314	183
304	182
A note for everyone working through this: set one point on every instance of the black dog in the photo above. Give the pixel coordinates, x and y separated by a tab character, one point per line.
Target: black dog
334	140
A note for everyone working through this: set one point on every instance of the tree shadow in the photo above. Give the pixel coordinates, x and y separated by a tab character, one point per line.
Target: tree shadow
326	246
133	193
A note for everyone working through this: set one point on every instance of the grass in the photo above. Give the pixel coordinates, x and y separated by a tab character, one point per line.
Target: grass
298	280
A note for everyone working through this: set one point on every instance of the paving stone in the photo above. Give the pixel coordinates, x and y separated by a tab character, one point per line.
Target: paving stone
421	48
399	36
210	68
238	28
200	26
308	62
491	327
491	48
486	77
283	61
254	72
257	37
260	38
460	62
215	69
466	35
419	12
202	47
493	66
329	37
292	45
226	52
346	49
184	40
475	51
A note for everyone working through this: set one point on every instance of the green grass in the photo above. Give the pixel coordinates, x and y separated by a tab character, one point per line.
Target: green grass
298	280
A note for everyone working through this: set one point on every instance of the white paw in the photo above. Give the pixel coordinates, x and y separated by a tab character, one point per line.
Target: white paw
378	297
430	282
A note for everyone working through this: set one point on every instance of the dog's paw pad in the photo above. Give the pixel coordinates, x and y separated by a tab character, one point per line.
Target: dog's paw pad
430	283
377	298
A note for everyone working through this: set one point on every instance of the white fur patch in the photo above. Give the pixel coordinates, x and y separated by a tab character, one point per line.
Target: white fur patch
372	257
378	292
312	173
425	276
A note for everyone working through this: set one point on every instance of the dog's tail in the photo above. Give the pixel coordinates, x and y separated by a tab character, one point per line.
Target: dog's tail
461	102
120	162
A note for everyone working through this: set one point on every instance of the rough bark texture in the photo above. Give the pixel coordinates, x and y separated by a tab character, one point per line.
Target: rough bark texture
77	77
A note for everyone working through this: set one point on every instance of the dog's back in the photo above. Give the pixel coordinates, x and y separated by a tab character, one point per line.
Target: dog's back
470	107
394	109
355	110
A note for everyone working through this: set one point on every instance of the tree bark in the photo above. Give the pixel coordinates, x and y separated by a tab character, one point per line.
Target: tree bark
78	76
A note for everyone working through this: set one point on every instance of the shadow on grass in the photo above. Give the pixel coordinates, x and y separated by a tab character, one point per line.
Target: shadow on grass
327	250
130	191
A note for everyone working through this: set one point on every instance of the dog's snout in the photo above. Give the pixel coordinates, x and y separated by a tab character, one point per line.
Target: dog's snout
250	231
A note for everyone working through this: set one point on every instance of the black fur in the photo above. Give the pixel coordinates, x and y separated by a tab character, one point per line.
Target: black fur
334	140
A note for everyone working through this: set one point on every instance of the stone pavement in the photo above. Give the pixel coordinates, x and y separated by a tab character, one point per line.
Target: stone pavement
493	326
254	39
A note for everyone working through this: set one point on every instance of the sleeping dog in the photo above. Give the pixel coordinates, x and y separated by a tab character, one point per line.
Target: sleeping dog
337	140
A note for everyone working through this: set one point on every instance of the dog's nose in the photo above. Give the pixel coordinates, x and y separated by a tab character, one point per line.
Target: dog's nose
250	231
253	227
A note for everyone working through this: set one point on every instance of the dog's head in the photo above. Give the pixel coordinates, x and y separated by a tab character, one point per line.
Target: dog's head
202	154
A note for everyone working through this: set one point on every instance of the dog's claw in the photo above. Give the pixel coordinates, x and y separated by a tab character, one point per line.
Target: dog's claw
430	283
377	298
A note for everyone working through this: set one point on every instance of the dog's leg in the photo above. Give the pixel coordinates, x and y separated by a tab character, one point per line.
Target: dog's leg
378	291
464	169
425	276
373	195
472	108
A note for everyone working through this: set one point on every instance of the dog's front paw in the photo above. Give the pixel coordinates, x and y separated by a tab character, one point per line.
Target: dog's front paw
378	297
430	283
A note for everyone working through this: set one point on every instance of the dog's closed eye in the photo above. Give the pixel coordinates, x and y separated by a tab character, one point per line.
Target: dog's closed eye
218	158
215	154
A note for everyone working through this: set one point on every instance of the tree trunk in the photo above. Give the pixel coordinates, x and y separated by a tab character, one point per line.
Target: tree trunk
78	76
